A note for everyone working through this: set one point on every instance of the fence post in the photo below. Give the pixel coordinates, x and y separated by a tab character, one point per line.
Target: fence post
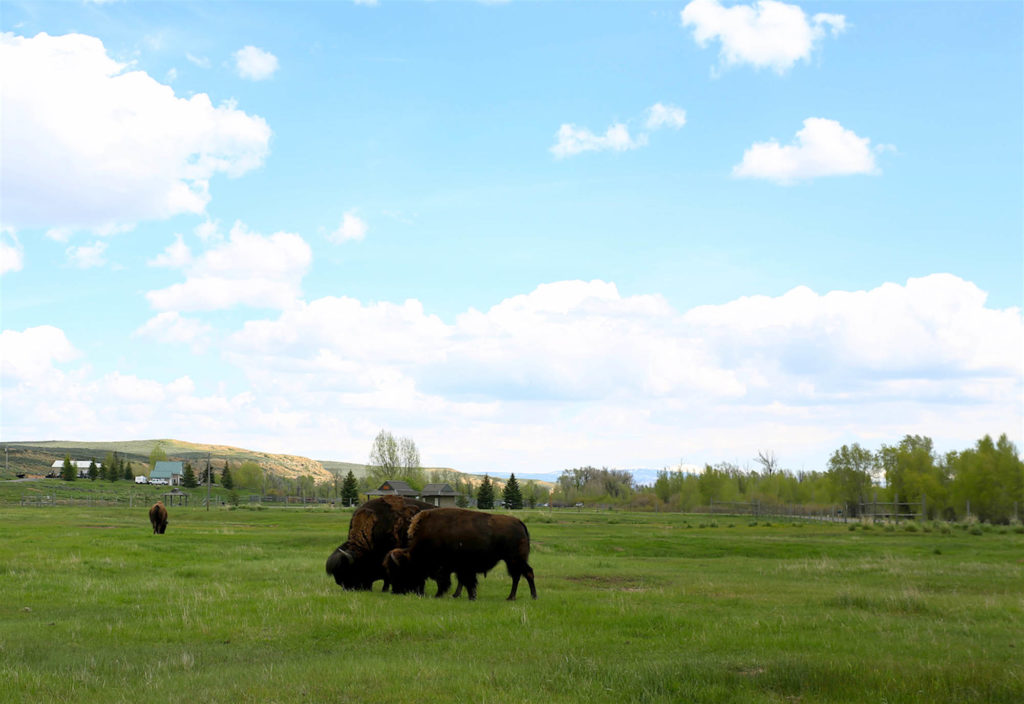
924	507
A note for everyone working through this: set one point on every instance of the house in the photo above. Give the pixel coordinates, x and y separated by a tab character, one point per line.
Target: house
81	466
166	472
393	487
439	495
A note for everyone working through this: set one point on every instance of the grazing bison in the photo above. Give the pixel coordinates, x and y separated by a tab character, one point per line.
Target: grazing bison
376	527
158	517
467	543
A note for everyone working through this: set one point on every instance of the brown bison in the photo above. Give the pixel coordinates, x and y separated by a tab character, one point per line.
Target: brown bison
467	543
378	526
158	517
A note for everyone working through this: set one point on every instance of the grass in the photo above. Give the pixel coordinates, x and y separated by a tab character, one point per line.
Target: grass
234	606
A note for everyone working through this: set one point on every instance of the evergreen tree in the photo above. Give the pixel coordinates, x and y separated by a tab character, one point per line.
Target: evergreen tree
349	490
225	477
512	495
485	494
129	475
188	477
94	471
68	472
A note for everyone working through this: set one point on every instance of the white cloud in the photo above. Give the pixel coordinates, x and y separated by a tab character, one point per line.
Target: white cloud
88	143
248	269
822	148
351	228
87	256
200	61
255	64
32	352
767	34
12	256
176	256
170	327
571	372
572	140
659	115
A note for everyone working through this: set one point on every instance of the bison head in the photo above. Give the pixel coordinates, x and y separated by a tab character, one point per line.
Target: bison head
341	565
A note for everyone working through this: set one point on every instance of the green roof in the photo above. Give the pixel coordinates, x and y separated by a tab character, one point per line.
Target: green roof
164	470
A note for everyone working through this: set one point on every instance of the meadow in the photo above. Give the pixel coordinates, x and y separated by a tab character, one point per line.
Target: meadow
234	606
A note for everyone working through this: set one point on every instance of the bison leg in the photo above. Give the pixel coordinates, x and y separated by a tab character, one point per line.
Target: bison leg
521	570
444	583
468	579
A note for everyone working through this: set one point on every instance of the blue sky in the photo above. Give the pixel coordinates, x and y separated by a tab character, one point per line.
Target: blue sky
528	235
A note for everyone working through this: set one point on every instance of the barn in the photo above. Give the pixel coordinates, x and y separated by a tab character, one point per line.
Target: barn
394	487
439	495
81	467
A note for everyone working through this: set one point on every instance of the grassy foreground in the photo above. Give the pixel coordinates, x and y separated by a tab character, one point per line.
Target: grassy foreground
234	606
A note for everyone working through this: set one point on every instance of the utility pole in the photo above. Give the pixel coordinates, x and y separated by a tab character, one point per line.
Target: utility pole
209	471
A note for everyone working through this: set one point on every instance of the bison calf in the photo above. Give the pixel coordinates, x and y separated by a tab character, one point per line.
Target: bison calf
468	543
158	517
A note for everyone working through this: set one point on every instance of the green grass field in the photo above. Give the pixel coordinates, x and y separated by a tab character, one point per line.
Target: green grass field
234	606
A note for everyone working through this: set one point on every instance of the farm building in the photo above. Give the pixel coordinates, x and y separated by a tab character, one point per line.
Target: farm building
81	466
166	471
393	487
439	495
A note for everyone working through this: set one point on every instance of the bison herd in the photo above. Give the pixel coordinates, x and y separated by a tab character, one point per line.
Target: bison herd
405	542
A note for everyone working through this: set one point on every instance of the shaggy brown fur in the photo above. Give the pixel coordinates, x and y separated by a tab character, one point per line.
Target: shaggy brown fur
158	517
376	527
465	542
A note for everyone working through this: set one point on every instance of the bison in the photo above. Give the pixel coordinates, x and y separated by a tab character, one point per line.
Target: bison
158	517
378	526
465	542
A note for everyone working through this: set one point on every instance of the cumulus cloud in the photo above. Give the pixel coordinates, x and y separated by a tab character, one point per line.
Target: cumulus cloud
12	256
822	148
170	327
570	372
176	256
572	140
255	64
659	116
87	256
248	269
89	143
351	228
767	34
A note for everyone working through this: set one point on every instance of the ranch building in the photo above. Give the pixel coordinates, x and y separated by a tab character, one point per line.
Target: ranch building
167	472
393	487
81	466
439	495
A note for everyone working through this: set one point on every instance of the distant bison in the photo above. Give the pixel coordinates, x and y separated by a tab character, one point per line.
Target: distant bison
378	526
467	543
158	517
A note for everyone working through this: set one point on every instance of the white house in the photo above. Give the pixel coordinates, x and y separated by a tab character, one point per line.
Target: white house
82	466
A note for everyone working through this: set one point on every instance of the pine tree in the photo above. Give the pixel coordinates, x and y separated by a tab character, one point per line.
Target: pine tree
512	496
94	471
188	477
485	494
129	475
68	472
225	477
114	470
349	490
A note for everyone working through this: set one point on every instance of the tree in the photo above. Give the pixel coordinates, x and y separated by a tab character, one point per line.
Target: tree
188	477
129	475
849	471
991	477
94	471
157	454
768	462
68	472
225	477
485	494
248	475
911	472
395	459
350	490
511	495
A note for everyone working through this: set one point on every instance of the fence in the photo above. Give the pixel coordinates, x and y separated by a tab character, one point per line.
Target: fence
758	509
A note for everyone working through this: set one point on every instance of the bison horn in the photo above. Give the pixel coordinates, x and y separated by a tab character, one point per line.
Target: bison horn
348	556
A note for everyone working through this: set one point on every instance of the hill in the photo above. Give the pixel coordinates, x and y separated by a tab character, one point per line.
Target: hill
35	458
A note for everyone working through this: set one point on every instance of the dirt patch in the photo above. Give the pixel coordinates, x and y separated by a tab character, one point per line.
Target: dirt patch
617	582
